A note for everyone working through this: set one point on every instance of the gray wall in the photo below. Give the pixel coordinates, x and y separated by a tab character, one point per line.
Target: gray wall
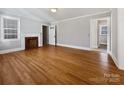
27	26
30	26
76	32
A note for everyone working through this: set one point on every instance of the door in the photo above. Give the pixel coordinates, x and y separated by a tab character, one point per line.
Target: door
52	36
45	35
93	33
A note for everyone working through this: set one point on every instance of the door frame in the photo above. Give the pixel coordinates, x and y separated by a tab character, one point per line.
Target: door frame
93	33
93	28
43	34
55	35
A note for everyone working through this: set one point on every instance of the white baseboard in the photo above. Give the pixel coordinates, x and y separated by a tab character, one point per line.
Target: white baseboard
103	43
51	44
115	61
85	48
76	47
10	50
121	68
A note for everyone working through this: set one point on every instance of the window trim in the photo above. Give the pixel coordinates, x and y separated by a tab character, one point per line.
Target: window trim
2	28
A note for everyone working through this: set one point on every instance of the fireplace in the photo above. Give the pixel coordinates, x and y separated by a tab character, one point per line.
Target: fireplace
31	42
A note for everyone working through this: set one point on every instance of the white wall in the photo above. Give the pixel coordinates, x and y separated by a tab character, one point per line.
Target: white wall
120	43
114	36
118	37
114	32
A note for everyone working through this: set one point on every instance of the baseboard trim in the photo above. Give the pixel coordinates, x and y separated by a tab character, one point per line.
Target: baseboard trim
103	43
10	50
115	61
76	47
85	48
121	68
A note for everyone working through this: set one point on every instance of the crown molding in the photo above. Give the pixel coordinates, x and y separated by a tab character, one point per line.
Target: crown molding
73	18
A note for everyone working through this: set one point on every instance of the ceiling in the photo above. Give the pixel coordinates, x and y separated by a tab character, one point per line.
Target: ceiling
45	15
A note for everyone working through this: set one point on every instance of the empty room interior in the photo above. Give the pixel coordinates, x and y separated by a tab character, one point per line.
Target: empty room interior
61	46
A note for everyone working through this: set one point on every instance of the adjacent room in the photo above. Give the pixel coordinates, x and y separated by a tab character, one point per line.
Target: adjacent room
100	35
61	46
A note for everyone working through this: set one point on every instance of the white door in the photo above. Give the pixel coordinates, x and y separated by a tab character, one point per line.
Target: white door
52	35
93	33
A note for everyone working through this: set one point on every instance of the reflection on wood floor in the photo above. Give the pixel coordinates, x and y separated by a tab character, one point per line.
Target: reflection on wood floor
58	65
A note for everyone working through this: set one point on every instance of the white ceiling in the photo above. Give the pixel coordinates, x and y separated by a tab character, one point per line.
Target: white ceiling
45	15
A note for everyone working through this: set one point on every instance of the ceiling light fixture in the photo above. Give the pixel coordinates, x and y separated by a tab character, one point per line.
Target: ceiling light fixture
53	10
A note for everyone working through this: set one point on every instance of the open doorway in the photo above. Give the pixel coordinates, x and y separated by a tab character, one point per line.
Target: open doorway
45	35
100	34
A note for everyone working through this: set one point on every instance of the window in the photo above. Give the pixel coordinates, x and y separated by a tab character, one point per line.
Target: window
103	29
10	28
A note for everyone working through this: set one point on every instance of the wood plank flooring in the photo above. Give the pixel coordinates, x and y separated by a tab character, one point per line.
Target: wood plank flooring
58	65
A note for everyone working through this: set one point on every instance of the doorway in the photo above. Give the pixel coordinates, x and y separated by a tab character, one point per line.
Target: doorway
53	35
100	34
45	35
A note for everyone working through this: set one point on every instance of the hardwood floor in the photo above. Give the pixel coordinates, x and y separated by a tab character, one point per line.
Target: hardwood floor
58	65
